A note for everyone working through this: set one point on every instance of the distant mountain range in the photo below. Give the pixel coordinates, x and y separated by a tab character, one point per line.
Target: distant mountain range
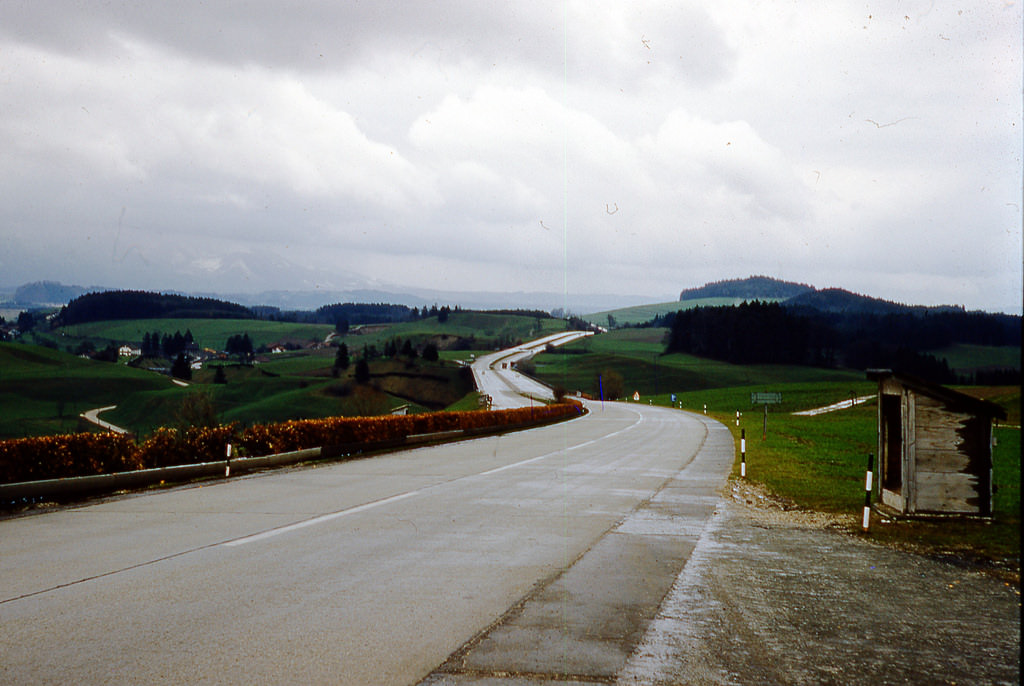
43	294
799	295
795	295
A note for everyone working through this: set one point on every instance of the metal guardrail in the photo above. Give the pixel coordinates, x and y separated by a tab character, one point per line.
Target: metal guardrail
143	478
99	484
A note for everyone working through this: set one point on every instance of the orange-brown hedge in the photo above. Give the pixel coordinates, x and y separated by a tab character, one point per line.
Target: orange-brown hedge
54	457
51	457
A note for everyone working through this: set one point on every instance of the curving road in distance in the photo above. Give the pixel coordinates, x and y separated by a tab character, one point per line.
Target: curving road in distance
496	376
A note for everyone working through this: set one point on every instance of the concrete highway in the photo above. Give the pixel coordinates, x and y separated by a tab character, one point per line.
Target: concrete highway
495	374
541	553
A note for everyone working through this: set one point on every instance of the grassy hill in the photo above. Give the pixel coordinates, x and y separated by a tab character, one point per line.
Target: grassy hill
42	391
208	333
641	314
965	358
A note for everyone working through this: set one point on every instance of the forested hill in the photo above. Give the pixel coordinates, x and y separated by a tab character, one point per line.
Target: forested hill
762	333
837	300
753	288
94	307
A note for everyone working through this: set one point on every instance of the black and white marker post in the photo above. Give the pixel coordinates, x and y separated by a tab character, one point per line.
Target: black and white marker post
227	463
867	491
743	453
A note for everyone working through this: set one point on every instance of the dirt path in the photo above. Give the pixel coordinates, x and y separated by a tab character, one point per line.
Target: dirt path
776	597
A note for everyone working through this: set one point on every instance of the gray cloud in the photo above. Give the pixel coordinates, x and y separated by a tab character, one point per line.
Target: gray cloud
598	146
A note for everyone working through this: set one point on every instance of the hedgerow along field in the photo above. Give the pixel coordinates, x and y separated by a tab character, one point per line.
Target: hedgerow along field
816	463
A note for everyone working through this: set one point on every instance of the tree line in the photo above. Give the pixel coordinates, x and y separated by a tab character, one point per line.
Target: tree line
771	333
112	305
157	344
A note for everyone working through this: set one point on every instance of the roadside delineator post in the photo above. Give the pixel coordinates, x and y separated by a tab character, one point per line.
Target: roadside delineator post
227	464
737	417
867	491
743	453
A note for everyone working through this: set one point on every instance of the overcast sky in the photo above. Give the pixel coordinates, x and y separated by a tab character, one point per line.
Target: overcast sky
612	147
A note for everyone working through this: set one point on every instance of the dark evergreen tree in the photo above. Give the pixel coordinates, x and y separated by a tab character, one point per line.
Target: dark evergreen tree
181	369
341	359
108	354
362	371
408	350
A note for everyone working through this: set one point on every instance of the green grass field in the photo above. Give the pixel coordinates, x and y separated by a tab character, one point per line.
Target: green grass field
42	391
641	314
965	358
819	464
208	333
636	354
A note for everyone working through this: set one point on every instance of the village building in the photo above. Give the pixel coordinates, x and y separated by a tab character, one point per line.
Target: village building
934	448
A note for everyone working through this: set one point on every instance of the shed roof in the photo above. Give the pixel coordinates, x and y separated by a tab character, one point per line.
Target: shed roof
953	398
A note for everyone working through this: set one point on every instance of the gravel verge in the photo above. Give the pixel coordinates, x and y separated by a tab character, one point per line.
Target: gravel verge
773	595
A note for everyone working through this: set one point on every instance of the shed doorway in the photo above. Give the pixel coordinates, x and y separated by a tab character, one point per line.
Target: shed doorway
892	443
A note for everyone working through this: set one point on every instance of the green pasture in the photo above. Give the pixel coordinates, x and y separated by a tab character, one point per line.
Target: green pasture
819	463
487	330
641	314
42	391
255	394
636	354
208	333
963	357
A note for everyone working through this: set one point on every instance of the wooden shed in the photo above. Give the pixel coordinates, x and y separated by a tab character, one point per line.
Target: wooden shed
934	447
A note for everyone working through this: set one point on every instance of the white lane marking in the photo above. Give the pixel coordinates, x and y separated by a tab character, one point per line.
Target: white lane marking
558	452
322	518
270	533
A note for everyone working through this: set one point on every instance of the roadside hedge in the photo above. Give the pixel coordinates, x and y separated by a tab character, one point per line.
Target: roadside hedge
85	454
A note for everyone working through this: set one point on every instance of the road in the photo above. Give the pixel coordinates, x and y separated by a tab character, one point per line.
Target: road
93	416
540	553
495	374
